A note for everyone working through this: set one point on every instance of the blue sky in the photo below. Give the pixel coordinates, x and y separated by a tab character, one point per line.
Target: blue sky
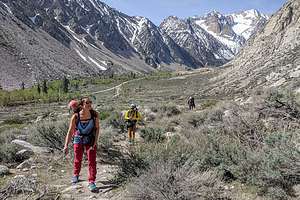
157	10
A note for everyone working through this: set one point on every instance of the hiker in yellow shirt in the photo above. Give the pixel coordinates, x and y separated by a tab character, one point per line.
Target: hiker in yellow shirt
132	116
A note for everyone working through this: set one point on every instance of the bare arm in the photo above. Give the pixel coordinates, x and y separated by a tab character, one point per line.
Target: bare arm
71	130
97	126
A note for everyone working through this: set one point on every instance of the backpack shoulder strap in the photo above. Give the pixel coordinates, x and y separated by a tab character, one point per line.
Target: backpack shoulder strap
77	118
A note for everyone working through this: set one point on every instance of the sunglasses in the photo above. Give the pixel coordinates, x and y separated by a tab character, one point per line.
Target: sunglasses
88	102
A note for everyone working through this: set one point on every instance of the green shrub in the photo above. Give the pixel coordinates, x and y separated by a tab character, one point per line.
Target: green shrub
8	153
7	149
209	103
130	164
277	193
166	181
104	115
167	110
13	120
50	134
273	165
116	122
153	135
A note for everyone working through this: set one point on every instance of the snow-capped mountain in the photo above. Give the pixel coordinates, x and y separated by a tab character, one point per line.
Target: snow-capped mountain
48	39
119	32
231	31
52	38
271	59
196	41
247	22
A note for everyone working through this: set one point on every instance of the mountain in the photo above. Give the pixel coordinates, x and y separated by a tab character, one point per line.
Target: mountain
36	43
198	42
219	36
247	23
272	58
48	39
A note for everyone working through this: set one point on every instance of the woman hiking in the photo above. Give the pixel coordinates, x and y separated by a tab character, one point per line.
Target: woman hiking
84	128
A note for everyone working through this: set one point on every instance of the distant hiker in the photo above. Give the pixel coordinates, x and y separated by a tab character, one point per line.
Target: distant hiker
84	127
191	103
132	116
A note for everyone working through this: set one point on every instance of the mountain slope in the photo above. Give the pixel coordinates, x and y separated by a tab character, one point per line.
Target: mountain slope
35	45
214	39
52	38
271	59
195	40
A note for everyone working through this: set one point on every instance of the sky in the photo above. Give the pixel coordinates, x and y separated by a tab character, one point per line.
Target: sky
157	10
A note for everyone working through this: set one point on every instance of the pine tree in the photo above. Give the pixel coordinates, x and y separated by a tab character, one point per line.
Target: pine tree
65	84
76	86
45	88
23	86
39	88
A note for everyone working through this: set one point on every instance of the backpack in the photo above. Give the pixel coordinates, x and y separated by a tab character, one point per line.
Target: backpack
87	134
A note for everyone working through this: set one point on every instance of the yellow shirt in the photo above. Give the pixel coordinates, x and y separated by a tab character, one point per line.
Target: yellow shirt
133	115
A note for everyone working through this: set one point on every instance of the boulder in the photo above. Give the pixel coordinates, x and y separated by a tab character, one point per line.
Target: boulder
35	149
22	137
296	189
25	153
4	170
25	164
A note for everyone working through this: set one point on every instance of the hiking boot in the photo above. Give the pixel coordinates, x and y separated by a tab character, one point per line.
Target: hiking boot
92	187
75	179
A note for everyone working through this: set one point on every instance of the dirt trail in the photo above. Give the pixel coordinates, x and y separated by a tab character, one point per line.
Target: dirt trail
118	87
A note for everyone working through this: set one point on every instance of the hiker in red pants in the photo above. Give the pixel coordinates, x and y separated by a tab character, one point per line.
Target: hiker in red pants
84	128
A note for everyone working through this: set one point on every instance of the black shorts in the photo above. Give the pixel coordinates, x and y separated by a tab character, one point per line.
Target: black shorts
130	123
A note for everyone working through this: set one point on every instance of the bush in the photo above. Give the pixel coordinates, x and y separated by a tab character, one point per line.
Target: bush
274	165
130	164
170	110
8	153
209	103
153	135
277	193
166	181
116	121
13	120
7	149
104	115
50	134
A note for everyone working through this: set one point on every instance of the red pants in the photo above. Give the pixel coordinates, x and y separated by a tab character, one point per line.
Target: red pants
91	155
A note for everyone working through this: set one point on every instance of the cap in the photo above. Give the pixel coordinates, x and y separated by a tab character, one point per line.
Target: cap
73	104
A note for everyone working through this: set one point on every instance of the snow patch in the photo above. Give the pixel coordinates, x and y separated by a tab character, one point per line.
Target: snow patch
96	6
278	83
82	56
7	8
91	60
96	63
120	30
33	18
74	35
245	22
138	29
233	45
